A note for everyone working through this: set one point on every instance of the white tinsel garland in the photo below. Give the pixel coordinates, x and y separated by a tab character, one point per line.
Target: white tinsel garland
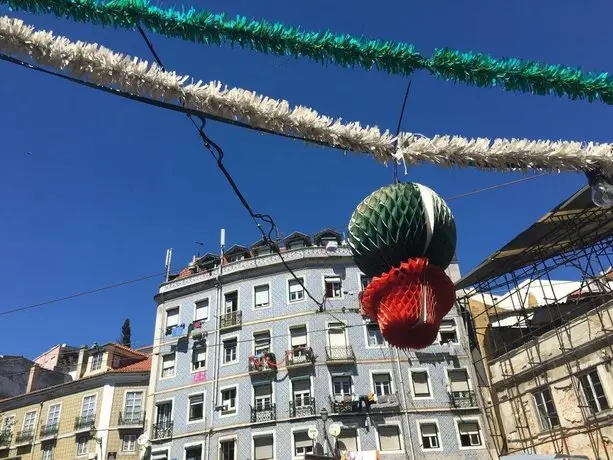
105	67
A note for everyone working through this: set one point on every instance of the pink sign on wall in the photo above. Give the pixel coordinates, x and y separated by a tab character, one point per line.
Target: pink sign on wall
199	377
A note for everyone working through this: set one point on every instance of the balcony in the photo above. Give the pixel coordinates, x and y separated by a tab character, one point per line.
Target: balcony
131	419
299	357
24	437
263	413
385	403
231	320
344	405
340	355
84	423
49	430
261	364
463	399
162	430
5	439
302	409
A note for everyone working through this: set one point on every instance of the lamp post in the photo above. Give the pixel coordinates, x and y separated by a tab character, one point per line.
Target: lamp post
323	413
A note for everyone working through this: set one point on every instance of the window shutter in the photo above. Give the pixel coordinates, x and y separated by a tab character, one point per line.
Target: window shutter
299	336
469	427
447	325
199	354
261	295
301	439
294	286
389	438
261	340
202	309
333	279
380	378
458	380
262	390
196	399
301	385
263	448
420	383
348	438
428	429
168	361
172	317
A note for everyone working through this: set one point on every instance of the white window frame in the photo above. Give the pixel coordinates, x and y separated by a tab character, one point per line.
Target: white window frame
427	371
130	443
353	426
263	331
59	414
457	421
344	376
296	326
429	421
303	429
5	423
208	311
189	406
32	426
264	434
330	325
455	329
193	444
236	402
293	393
95	395
373	347
287	284
400	436
263	307
46	450
226	439
238	301
373	373
603	385
223	350
174	367
78	444
206	358
142	401
175	307
536	400
95	361
448	380
272	392
323	279
163	402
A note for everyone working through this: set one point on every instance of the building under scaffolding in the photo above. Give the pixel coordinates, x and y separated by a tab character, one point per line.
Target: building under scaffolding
541	329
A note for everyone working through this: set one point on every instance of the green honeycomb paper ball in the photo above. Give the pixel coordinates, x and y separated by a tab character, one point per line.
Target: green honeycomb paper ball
398	222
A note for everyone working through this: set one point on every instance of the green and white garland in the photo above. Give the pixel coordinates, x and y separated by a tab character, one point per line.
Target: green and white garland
102	66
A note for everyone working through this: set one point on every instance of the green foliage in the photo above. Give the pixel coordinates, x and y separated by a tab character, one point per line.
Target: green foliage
326	47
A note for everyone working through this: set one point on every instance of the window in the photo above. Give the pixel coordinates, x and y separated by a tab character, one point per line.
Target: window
168	365
333	287
263	396
236	258
202	310
128	443
298	338
227	450
134	406
374	337
229	350
263	448
593	392
172	318
228	401
231	302
546	409
429	436
365	281
164	414
29	421
8	424
296	244
421	384
116	361
261	296
296	292
302	392
196	407
88	408
302	444
47	451
458	383
389	438
193	453
341	386
447	331
470	434
261	342
348	439
53	416
382	384
96	361
336	335
199	356
82	448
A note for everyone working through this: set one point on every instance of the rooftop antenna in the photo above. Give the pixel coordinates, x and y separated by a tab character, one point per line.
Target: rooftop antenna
167	263
222	239
199	243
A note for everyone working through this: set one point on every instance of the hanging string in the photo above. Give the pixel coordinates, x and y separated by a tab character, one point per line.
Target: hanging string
404	105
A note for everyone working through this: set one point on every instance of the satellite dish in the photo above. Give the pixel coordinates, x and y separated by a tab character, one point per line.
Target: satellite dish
334	430
143	440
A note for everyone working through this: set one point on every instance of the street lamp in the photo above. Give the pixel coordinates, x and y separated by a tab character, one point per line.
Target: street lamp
323	413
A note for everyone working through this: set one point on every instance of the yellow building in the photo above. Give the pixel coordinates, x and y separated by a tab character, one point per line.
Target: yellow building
99	415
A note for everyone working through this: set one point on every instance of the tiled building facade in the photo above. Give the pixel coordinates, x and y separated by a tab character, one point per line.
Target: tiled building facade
98	415
244	362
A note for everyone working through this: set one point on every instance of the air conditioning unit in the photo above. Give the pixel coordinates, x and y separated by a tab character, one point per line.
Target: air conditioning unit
331	246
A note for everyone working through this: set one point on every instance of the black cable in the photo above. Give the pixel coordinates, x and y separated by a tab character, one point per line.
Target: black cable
404	105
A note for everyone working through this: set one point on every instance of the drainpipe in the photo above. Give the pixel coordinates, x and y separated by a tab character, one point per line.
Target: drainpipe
36	428
216	354
404	403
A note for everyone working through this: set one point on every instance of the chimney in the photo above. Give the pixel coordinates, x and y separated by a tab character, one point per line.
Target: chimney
32	378
81	363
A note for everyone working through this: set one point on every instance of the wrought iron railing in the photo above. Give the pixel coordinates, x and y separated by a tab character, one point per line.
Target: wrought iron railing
5	438
463	399
162	430
86	422
232	319
266	362
303	409
131	419
24	436
342	354
299	356
49	430
344	404
263	413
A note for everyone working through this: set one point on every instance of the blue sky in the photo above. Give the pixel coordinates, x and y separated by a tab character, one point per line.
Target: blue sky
94	188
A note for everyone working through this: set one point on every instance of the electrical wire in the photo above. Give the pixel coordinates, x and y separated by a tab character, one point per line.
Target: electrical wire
404	105
494	187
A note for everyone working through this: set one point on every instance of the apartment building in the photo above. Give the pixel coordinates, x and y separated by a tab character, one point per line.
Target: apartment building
245	365
98	415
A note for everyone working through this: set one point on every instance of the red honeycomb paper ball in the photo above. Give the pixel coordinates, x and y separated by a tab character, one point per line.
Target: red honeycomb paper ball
409	303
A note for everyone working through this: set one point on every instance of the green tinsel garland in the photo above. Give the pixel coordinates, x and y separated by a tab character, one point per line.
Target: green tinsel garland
346	50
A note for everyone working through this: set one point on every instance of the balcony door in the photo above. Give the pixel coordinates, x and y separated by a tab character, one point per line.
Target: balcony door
164	413
336	335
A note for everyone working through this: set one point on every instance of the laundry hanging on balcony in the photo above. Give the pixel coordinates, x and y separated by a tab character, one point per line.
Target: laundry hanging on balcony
404	236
